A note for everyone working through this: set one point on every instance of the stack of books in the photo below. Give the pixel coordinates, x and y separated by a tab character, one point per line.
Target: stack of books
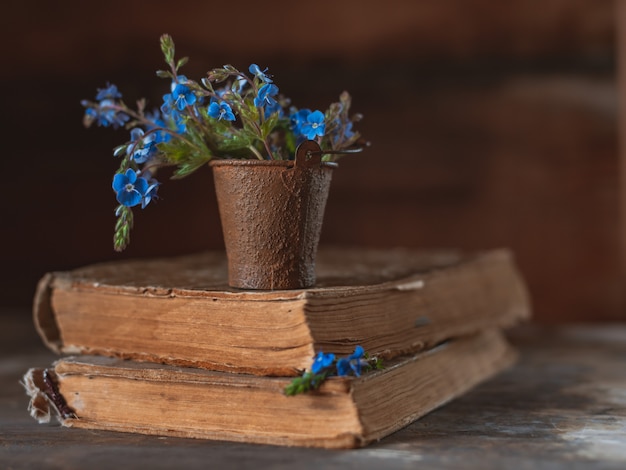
165	347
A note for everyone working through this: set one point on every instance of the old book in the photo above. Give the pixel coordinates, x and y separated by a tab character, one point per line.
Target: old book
180	310
96	392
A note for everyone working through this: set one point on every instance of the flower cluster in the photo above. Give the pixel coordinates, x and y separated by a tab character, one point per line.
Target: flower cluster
228	114
327	365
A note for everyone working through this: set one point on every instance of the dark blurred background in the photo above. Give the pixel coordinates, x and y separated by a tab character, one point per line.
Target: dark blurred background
493	124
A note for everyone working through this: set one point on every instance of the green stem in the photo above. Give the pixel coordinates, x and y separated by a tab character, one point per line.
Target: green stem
265	144
256	152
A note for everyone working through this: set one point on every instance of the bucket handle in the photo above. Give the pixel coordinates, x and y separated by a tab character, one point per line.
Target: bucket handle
309	154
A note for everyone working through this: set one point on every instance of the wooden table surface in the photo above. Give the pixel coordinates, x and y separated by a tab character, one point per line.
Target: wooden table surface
562	406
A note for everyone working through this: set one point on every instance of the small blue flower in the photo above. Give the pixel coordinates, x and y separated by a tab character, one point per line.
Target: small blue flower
266	95
358	353
353	363
297	118
130	188
172	116
157	123
151	192
168	108
107	114
91	114
357	361
238	85
260	74
275	108
343	366
313	125
321	362
141	148
110	92
221	111
182	95
348	133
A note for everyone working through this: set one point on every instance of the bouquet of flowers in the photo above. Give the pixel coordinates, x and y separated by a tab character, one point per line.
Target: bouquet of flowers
227	114
327	365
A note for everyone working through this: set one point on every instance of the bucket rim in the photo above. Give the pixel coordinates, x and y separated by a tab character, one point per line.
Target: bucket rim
244	162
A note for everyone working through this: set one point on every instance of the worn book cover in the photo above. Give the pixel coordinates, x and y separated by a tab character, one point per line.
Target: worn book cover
180	310
96	392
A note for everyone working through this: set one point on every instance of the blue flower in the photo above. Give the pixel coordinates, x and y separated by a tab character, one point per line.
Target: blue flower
321	362
353	363
130	188
221	111
151	192
358	353
266	95
110	92
343	366
91	114
182	95
260	74
297	118
275	108
238	85
342	131
107	114
172	116
141	148
313	125
168	108
156	122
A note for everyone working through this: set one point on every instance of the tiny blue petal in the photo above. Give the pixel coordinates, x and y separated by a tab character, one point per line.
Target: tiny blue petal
151	193
141	185
110	92
358	353
119	181
129	198
131	175
321	362
343	366
256	71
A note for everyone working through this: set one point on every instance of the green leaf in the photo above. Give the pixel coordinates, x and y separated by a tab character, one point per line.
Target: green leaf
175	151
249	115
308	381
181	62
167	47
190	166
268	126
217	75
207	84
290	142
117	151
164	74
235	143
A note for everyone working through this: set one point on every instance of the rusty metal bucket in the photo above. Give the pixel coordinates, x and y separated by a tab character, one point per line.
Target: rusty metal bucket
272	213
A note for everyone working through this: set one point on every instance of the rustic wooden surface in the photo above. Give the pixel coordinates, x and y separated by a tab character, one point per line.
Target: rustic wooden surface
563	406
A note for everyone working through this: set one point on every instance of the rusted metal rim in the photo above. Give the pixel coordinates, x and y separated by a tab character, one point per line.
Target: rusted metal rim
271	163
